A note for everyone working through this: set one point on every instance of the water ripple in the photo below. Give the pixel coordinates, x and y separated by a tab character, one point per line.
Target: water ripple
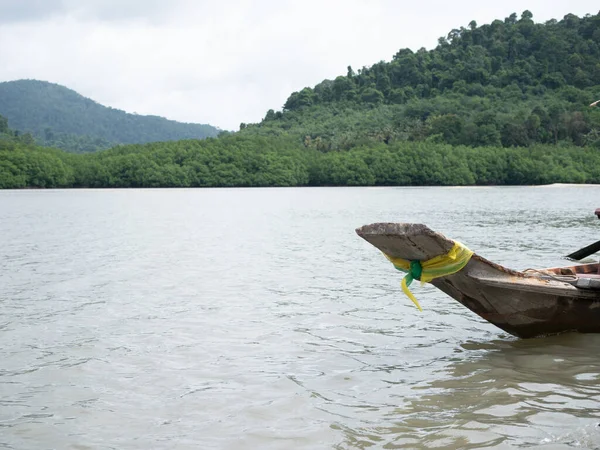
256	318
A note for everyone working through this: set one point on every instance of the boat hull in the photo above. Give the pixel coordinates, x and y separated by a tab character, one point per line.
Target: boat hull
524	310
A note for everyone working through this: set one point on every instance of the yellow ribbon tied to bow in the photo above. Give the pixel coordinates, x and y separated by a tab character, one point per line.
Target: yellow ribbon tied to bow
440	266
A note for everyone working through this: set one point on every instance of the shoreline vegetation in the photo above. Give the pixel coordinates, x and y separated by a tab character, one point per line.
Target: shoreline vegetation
244	161
505	103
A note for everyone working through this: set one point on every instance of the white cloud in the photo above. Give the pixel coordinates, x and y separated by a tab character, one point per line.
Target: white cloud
228	62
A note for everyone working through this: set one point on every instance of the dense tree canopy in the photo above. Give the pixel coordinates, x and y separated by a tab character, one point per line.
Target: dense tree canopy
508	83
250	161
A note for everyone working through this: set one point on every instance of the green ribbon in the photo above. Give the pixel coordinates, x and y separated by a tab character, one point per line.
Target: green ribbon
413	273
416	270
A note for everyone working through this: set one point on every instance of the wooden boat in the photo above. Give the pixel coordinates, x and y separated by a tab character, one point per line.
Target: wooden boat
525	304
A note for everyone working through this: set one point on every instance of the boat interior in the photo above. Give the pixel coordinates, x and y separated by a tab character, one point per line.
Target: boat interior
581	270
584	276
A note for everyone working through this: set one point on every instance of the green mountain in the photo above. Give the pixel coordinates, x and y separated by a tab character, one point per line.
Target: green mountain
60	117
513	82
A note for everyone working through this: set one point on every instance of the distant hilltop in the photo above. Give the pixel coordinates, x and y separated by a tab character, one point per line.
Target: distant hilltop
509	83
60	117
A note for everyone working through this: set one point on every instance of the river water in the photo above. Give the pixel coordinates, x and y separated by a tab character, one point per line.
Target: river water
256	318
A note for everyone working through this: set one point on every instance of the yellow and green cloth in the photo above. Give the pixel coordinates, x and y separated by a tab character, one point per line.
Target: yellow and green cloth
425	271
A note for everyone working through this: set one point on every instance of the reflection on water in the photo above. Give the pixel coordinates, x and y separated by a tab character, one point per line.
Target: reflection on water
515	393
256	318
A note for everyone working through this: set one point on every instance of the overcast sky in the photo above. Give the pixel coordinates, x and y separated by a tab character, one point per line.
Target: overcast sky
229	61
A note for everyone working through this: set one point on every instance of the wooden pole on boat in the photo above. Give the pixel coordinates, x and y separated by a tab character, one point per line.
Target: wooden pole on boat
585	251
590	249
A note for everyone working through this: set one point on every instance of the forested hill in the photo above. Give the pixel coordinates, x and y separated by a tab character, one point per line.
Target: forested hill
510	83
60	117
506	103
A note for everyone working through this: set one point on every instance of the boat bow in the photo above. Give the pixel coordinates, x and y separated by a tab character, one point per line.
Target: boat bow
525	304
